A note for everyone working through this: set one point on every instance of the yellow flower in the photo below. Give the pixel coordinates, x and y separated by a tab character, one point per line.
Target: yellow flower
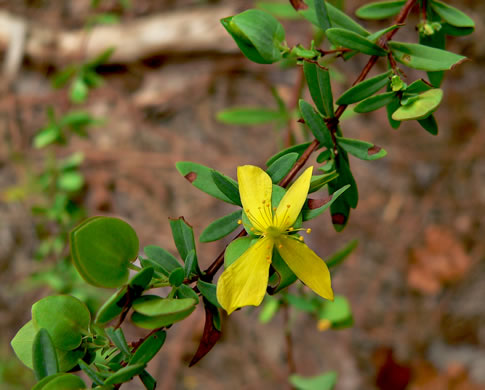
244	282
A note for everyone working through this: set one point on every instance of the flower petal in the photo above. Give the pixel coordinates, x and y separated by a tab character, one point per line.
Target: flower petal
293	201
306	265
244	282
255	188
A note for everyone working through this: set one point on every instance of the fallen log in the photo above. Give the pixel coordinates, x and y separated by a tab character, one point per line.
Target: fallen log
183	31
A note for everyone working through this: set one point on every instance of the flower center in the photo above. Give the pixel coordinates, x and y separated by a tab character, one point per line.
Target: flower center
273	232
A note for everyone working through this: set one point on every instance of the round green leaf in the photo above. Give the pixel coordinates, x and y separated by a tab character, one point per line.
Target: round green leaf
380	10
176	277
64	382
452	15
420	108
153	312
22	343
65	318
102	248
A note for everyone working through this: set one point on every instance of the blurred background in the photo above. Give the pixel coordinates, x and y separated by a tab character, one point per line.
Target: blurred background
415	282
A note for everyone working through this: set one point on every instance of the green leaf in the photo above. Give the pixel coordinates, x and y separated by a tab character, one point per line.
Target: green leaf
318	80
47	136
438	41
92	374
248	116
125	374
322	15
64	382
79	91
70	181
337	18
183	237
149	348
201	177
64	317
221	227
337	312
258	34
452	15
429	124
177	276
102	58
299	149
375	102
22	343
391	107
184	291
423	57
364	89
163	258
152	312
326	381
281	167
375	36
118	338
279	10
314	207
227	186
140	281
235	249
101	250
339	256
189	263
208	291
62	77
316	124
148	381
380	10
448	29
421	107
418	86
44	357
319	181
361	149
354	41
269	309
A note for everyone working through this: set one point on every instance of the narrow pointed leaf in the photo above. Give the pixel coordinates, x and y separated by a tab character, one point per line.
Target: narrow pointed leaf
375	102
429	124
221	227
91	373
125	374
163	258
314	207
201	177
300	148
183	237
248	115
364	89
322	14
118	338
208	290
149	348
423	57
380	10
280	168
44	356
227	187
354	41
452	15
148	381
316	124
318	80
361	149
176	277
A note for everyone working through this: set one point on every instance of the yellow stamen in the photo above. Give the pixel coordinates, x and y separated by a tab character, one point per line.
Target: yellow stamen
291	229
309	231
239	221
280	246
301	238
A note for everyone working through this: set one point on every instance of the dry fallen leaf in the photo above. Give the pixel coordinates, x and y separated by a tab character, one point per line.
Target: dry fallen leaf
441	260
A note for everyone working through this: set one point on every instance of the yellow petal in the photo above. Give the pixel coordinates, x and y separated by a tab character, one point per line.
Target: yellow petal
244	282
255	188
294	199
306	265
